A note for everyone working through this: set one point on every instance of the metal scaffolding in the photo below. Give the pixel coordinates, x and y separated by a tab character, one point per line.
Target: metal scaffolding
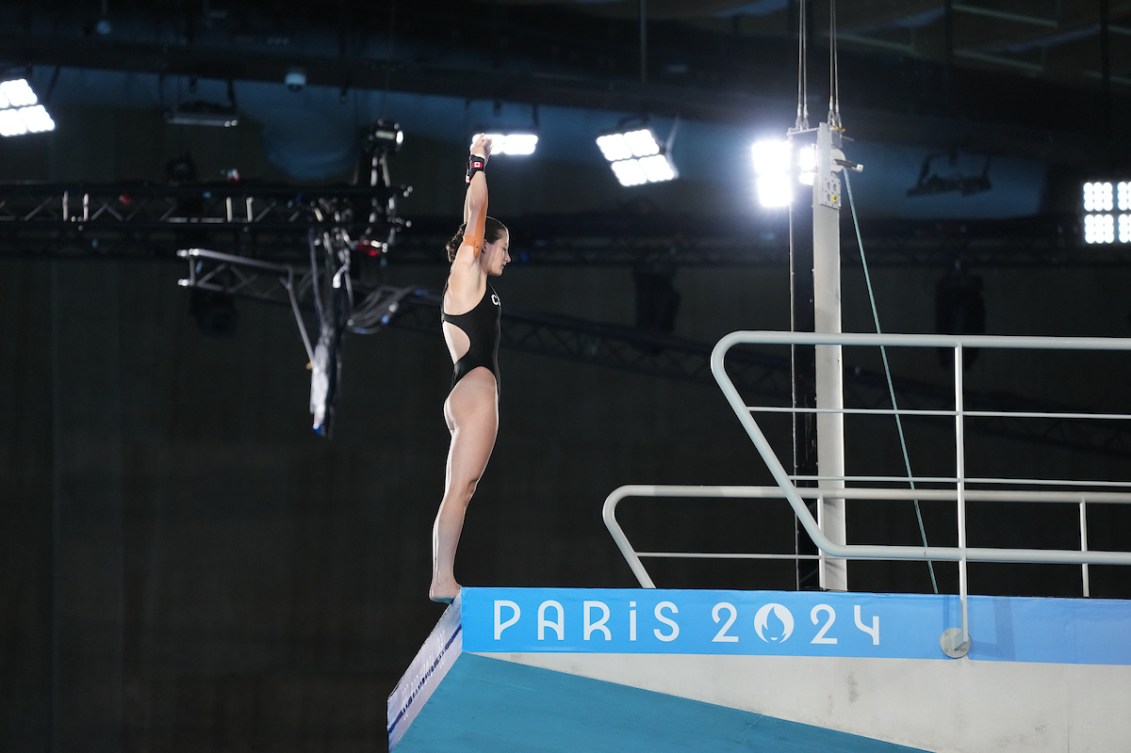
258	242
270	222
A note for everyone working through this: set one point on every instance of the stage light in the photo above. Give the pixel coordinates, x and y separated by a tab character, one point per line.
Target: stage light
636	157
1098	196
628	173
1099	228
1106	204
627	145
657	168
772	170
20	111
515	143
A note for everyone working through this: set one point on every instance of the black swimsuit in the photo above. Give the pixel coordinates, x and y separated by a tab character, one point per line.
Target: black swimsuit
481	325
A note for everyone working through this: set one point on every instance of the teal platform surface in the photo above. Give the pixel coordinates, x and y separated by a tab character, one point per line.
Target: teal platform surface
487	705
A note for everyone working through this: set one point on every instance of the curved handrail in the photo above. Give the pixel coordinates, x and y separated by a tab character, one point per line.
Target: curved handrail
718	355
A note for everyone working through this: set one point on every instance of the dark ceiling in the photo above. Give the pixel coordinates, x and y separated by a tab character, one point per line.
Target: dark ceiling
1030	68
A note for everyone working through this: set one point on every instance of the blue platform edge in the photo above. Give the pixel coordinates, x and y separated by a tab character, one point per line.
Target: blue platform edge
790	623
487	705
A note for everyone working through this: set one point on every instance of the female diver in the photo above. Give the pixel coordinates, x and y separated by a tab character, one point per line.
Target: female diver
470	319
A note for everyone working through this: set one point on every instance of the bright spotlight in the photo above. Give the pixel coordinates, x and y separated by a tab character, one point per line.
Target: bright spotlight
770	156
627	145
1098	196
657	168
774	191
629	172
773	167
515	143
1106	204
1099	228
17	92
636	157
20	111
614	146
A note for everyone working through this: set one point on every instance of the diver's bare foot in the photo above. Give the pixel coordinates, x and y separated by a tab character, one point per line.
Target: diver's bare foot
444	594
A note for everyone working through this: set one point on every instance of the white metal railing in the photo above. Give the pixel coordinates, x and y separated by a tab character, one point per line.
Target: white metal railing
1082	493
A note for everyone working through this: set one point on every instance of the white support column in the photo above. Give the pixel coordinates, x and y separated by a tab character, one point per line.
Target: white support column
830	374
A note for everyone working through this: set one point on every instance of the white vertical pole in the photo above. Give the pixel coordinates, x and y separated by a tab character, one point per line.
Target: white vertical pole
830	374
1086	585
960	488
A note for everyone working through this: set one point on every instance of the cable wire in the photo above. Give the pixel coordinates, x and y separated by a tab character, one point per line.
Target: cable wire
834	71
802	121
887	373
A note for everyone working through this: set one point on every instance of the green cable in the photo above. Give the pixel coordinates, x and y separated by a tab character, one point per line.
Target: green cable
887	374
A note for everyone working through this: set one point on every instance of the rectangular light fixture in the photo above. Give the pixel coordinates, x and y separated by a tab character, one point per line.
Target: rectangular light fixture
779	166
773	166
515	143
636	157
1107	212
203	114
20	111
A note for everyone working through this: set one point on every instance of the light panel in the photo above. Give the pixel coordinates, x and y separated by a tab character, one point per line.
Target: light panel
771	156
774	191
515	143
642	142
657	168
1107	211
614	147
17	93
776	164
636	157
629	172
1098	196
1099	228
20	111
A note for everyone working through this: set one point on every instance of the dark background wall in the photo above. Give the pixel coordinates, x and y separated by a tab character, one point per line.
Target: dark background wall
187	567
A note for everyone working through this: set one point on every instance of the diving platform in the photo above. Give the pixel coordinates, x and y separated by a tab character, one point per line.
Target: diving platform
830	671
721	671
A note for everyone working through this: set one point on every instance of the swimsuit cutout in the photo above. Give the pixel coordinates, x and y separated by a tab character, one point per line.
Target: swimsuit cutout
481	325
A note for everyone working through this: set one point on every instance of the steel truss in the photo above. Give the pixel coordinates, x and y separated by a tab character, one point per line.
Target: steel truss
143	220
270	222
